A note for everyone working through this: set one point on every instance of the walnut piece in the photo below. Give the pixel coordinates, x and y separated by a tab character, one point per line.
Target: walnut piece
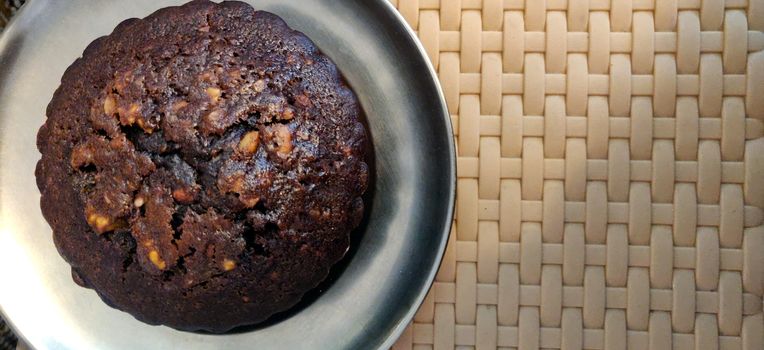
183	196
287	114
157	260
109	105
228	264
249	142
81	155
102	224
283	138
179	105
214	94
138	201
259	85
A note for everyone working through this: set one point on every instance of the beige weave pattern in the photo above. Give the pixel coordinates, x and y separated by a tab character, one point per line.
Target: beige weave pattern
610	174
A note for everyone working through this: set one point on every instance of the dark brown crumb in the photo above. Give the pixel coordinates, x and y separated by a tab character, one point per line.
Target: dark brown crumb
202	167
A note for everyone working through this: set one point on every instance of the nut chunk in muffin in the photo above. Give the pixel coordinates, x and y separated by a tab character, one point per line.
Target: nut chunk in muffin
202	167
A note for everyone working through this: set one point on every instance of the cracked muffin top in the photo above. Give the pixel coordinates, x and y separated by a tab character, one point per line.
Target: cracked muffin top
202	168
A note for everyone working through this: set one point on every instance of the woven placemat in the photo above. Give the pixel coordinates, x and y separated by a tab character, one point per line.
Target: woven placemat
610	174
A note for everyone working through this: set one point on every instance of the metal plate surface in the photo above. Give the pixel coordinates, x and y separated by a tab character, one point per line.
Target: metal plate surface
397	250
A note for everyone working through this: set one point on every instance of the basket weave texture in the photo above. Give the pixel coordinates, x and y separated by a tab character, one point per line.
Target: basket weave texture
610	174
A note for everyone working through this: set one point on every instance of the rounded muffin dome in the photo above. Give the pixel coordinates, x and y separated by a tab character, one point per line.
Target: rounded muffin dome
203	167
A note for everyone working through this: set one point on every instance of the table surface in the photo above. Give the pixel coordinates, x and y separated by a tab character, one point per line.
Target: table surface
611	174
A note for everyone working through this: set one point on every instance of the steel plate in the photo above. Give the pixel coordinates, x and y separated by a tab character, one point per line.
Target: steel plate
398	249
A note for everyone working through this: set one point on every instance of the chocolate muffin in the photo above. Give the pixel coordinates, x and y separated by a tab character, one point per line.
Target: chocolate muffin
203	167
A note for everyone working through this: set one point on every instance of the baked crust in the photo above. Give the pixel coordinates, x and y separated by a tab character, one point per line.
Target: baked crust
202	167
